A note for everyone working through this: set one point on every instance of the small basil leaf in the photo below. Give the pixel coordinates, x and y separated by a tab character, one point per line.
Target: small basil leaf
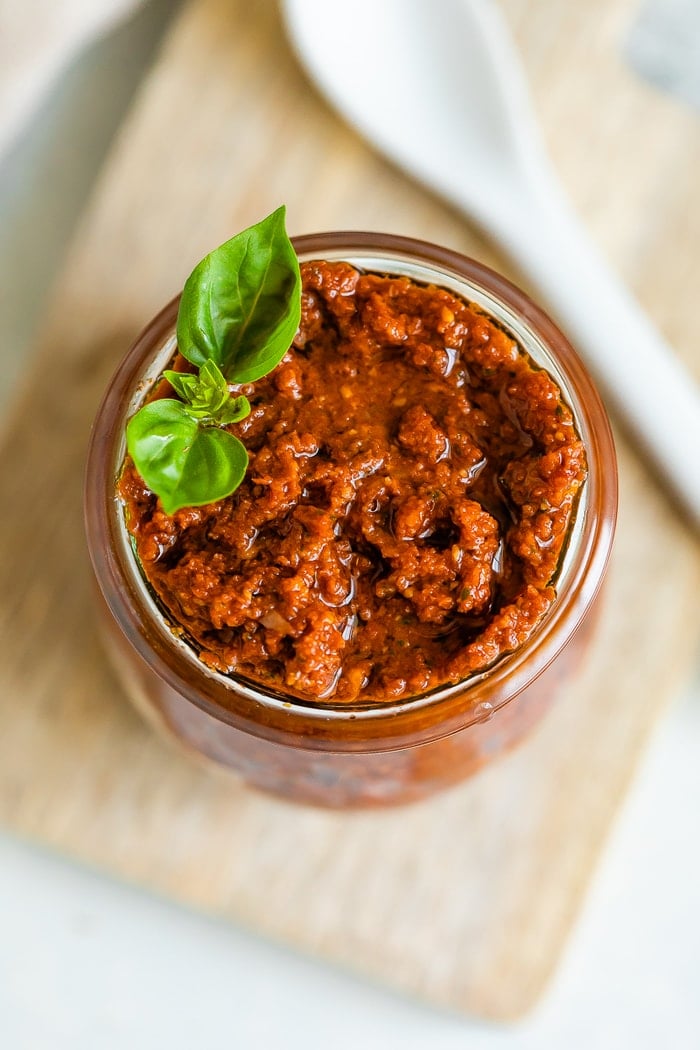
213	388
241	304
185	464
204	394
210	375
236	409
203	414
182	383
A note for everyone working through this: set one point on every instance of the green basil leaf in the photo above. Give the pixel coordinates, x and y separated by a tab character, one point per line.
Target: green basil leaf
182	383
206	392
213	388
236	409
241	304
206	396
184	463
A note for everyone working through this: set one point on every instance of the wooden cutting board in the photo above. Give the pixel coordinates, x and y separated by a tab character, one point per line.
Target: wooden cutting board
465	900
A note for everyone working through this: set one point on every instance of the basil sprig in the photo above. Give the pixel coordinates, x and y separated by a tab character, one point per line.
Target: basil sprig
207	397
239	312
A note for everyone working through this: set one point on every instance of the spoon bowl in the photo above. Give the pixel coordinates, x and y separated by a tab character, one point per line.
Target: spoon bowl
384	83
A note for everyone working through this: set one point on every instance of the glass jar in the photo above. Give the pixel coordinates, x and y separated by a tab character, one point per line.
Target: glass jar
356	754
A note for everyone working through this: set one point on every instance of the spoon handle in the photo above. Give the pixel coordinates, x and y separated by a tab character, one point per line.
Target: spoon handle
641	377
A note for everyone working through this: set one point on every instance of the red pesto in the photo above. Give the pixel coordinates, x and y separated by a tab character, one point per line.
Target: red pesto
411	486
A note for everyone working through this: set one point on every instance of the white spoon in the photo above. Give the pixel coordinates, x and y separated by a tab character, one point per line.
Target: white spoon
437	86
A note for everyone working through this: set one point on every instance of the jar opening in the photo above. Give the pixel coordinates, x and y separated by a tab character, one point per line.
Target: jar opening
536	335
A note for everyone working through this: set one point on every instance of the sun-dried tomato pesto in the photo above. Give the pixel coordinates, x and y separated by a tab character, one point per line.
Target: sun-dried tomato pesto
411	483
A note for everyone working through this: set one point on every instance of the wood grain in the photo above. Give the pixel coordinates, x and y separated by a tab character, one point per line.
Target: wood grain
465	900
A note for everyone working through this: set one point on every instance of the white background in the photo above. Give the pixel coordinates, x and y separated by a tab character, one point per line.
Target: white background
88	964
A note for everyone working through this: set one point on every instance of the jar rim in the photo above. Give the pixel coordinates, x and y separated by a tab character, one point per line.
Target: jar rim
272	712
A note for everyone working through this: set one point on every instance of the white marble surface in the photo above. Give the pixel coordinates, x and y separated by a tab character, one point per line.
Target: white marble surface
89	964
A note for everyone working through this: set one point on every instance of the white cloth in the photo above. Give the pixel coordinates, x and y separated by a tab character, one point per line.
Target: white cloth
664	46
38	38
